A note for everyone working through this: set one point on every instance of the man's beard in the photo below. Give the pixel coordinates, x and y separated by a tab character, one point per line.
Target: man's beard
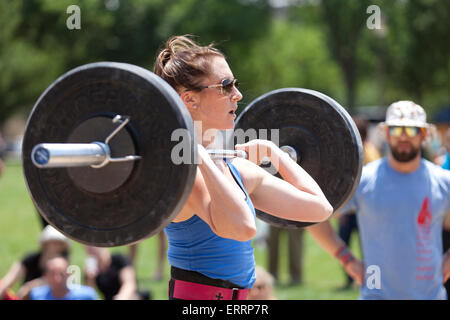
405	156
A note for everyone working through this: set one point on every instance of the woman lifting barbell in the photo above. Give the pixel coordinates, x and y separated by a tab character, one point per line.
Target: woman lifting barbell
209	249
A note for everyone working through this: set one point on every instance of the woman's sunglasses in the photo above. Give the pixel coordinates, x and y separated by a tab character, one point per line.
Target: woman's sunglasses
226	86
411	132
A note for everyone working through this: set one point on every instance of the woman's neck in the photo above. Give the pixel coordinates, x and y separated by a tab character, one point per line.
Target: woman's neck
205	136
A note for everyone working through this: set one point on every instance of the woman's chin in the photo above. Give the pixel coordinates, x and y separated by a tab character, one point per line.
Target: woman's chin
228	127
225	126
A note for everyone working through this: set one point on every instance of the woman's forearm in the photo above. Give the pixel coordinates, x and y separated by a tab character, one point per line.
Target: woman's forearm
229	213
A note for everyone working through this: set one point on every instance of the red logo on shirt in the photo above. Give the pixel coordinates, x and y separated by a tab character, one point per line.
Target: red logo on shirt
425	270
424	218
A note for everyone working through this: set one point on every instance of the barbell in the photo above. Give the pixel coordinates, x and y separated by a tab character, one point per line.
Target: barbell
98	150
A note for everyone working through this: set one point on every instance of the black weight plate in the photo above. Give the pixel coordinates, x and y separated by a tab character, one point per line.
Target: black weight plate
324	135
112	176
155	190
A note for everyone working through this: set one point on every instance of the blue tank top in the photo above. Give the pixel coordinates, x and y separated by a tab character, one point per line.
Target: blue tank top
194	246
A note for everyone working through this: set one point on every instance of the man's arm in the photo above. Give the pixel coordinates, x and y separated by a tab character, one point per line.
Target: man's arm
327	238
447	222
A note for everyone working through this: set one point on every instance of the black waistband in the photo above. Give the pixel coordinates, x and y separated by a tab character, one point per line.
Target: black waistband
197	277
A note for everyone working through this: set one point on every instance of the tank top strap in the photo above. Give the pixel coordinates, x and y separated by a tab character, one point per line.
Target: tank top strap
237	176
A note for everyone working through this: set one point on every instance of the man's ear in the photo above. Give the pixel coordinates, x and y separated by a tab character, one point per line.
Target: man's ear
423	133
386	133
190	99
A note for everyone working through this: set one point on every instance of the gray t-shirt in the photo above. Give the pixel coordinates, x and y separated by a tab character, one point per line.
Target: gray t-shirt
400	219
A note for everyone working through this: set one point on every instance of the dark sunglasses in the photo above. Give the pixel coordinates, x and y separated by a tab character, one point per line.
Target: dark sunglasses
226	86
411	132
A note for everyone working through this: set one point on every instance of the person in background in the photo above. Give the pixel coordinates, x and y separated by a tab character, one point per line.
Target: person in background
57	288
402	203
295	251
2	154
348	224
444	160
162	258
30	268
8	294
263	287
113	275
446	233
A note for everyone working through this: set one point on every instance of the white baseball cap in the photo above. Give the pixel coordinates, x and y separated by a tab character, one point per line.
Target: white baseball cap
406	114
49	233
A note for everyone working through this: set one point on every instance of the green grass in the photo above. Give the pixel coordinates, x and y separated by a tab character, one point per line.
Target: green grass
20	228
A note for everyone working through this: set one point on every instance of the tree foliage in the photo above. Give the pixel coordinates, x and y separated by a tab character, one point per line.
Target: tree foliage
322	45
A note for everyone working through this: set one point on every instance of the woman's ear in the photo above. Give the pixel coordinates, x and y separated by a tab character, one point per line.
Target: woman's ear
190	99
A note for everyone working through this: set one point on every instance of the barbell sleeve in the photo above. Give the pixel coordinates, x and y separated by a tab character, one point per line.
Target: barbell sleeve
60	155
